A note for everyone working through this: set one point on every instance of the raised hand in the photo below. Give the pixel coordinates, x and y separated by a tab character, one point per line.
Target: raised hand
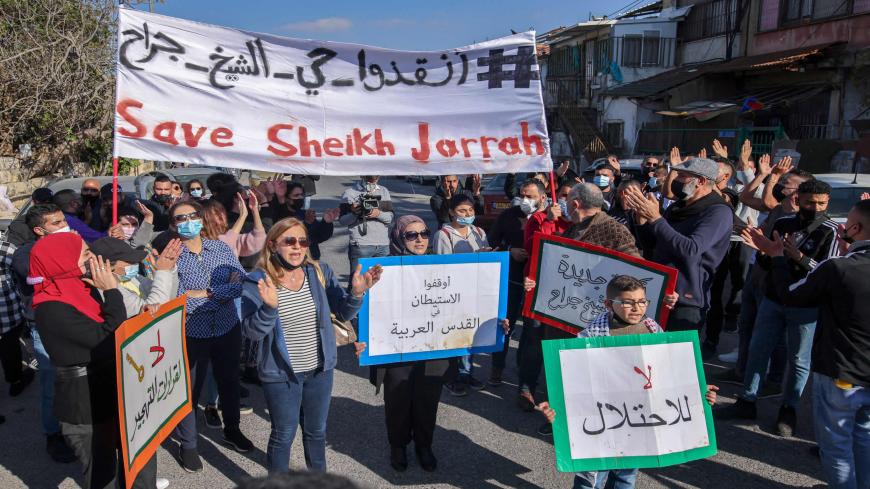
783	167
331	215
764	164
745	152
865	196
268	291
280	189
675	158
116	232
563	168
360	283
101	274
243	209
702	153
169	257
720	150
645	206
147	214
253	203
614	163
475	184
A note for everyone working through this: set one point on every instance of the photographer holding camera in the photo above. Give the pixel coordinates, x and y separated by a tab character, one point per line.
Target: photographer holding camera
367	211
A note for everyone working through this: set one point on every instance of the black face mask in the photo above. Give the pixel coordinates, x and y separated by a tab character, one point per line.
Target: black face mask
297	204
845	237
779	192
807	214
679	190
88	198
279	261
162	199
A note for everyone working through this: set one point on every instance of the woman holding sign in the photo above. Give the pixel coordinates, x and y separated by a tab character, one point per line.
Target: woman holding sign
412	390
286	306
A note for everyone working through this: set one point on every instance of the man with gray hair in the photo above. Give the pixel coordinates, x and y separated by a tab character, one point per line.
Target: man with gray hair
592	225
692	236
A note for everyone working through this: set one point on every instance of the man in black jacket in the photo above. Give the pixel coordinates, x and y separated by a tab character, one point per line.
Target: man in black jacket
840	288
449	187
810	237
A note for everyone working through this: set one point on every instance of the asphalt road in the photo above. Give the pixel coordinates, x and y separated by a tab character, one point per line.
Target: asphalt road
482	440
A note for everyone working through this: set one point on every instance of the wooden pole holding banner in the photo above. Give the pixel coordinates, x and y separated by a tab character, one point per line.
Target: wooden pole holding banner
114	191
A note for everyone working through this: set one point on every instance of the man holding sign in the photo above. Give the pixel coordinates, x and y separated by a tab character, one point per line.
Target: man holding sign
626	305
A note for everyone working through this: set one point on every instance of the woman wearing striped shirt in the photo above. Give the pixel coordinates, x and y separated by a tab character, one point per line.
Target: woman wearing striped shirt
286	306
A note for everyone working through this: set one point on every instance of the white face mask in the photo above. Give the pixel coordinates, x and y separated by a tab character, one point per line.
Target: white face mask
528	206
64	229
745	176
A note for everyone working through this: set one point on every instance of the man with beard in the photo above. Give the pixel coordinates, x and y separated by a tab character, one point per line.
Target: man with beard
162	196
692	236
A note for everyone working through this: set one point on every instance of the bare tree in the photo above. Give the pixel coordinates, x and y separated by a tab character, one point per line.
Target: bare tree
57	81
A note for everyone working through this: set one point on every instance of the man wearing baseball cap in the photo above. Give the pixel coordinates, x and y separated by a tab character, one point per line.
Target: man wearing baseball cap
691	236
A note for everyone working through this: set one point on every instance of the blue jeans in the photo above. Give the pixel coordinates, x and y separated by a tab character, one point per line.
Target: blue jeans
751	297
355	252
798	324
308	393
606	479
50	425
466	367
842	425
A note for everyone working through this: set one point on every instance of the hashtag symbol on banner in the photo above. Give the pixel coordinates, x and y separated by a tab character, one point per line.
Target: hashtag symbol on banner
522	73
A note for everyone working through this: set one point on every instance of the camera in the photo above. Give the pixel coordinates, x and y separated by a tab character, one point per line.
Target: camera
368	203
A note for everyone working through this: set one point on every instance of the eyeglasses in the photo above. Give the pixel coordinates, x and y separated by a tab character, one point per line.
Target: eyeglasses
186	217
90	191
413	235
293	241
632	304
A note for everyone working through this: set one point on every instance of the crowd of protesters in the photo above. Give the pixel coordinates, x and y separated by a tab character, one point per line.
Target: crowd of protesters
261	305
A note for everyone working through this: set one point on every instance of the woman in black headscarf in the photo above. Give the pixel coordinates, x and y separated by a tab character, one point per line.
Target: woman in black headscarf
412	390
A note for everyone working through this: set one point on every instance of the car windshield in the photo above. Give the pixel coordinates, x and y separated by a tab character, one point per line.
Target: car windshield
842	200
497	182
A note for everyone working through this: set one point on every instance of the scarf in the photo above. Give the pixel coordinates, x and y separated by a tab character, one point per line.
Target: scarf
54	259
397	241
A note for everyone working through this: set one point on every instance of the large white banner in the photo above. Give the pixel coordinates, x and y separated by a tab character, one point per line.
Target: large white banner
204	94
434	306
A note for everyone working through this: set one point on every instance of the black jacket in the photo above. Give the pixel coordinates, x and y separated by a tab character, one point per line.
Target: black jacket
18	233
441	206
817	240
509	232
75	340
318	231
840	288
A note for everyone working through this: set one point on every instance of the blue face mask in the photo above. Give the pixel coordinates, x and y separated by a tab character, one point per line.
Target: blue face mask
466	221
652	182
190	229
602	181
196	193
130	272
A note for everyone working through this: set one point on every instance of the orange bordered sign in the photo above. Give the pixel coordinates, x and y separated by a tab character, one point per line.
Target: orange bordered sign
571	282
154	389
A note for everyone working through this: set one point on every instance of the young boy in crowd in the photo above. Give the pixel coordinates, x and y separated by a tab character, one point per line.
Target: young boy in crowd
626	305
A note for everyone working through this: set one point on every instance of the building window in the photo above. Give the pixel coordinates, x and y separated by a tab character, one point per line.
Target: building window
613	133
651	48
797	11
631	50
711	19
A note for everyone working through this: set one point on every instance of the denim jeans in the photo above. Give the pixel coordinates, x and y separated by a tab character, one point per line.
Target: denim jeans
751	298
50	425
606	479
842	425
355	252
514	306
308	393
798	324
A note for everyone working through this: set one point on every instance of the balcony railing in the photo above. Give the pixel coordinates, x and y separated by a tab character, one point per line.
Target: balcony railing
710	19
563	91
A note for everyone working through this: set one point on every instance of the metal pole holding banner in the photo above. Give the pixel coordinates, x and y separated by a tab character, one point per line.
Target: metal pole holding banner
114	191
553	187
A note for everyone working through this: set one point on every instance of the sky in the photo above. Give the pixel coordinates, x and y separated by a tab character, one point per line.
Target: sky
407	25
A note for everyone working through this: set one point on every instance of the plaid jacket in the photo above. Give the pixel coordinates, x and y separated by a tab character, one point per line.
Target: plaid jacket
10	302
601	326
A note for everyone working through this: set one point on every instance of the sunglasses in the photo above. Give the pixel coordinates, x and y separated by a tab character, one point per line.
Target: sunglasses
293	241
186	217
195	188
90	191
413	235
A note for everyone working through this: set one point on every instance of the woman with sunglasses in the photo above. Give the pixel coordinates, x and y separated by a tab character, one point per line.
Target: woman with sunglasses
412	390
286	307
210	275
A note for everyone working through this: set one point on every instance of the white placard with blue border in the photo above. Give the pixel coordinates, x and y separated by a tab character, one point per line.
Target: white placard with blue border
434	306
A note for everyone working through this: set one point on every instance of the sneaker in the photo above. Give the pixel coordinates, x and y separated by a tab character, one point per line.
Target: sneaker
730	357
212	417
786	421
16	388
729	376
742	409
525	400
427	459
474	384
58	450
545	429
245	409
161	483
189	460
398	459
770	389
457	389
235	438
495	377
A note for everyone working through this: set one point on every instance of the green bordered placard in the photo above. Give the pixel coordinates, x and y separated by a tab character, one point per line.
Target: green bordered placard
555	388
